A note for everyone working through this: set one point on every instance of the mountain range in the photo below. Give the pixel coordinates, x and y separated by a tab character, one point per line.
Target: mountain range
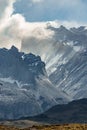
67	64
30	86
25	88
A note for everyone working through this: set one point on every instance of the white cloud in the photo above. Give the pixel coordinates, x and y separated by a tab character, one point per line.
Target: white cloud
27	36
36	1
14	28
6	9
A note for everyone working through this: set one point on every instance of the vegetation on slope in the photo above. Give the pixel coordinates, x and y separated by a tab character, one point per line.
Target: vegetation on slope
51	127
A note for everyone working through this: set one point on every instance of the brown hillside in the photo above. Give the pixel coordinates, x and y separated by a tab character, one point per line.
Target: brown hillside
52	127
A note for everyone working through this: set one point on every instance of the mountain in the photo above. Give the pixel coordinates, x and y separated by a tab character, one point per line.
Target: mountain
28	86
65	55
73	112
25	89
67	64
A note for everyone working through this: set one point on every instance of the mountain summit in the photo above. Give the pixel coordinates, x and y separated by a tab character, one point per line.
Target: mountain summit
25	89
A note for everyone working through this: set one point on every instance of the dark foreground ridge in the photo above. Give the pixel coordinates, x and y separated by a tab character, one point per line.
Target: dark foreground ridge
74	112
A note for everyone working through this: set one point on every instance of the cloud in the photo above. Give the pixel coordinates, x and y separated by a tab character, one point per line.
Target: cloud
14	29
36	1
27	36
6	9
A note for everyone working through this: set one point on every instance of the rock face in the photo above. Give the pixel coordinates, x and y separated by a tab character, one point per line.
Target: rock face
25	89
71	76
67	65
20	66
65	55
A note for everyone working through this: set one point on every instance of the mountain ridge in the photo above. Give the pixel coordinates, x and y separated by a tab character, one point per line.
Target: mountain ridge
25	88
73	112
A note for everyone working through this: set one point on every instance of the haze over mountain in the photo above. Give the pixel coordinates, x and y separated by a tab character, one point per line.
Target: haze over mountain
69	62
65	57
15	29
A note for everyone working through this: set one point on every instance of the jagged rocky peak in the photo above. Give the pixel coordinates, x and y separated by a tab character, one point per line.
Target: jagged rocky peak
25	89
62	28
13	48
14	63
78	29
33	60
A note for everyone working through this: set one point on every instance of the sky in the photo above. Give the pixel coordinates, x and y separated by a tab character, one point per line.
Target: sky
49	10
24	23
